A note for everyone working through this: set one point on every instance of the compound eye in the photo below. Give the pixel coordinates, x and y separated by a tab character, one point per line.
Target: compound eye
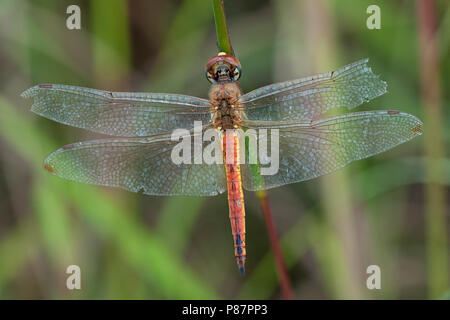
210	77
236	73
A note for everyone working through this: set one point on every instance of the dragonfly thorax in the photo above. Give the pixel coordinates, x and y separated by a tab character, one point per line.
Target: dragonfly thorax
226	112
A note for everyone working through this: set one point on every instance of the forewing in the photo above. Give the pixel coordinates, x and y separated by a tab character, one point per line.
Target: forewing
138	165
308	98
311	149
117	113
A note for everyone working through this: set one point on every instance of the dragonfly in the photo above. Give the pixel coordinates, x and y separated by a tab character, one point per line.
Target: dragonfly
138	158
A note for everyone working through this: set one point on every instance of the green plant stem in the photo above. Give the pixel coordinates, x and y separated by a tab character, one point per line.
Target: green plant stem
223	37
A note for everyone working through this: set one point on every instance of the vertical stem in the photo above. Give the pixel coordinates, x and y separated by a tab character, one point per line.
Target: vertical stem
224	44
223	37
437	251
283	275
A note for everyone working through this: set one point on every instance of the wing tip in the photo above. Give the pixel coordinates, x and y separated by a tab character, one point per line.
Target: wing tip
416	123
418	128
49	168
31	92
376	86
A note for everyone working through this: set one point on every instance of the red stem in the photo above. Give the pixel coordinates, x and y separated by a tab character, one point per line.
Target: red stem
283	276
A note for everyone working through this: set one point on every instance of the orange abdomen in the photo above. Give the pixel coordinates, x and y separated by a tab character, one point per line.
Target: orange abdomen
235	195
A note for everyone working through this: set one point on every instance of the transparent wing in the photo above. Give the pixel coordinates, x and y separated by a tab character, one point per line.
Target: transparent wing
136	164
308	98
311	149
117	113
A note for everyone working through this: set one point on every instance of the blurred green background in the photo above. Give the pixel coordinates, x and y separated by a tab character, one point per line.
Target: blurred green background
390	210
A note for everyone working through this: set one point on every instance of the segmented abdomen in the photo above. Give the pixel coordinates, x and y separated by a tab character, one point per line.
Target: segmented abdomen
235	195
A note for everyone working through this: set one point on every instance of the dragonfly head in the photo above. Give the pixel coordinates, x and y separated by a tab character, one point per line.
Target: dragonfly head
223	68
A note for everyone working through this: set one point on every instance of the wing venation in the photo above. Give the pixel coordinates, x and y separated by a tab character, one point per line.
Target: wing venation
123	114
